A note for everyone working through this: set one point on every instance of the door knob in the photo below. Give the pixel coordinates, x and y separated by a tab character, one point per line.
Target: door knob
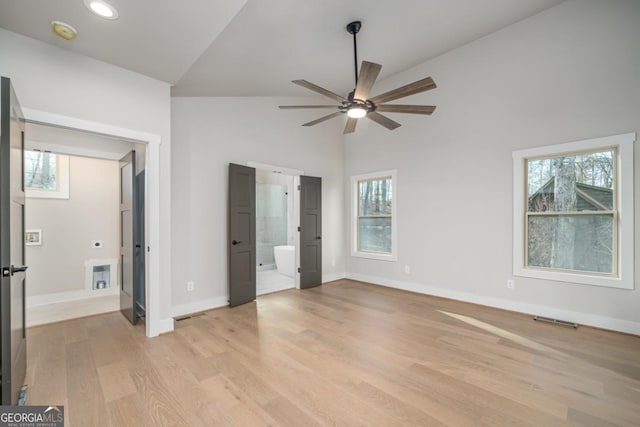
18	269
236	242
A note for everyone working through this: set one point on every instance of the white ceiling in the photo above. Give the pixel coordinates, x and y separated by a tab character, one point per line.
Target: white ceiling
256	47
157	38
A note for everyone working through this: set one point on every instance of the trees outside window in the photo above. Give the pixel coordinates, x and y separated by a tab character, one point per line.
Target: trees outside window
40	170
46	175
573	212
373	211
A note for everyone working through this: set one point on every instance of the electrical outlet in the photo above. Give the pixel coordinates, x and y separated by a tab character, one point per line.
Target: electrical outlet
407	269
190	286
510	284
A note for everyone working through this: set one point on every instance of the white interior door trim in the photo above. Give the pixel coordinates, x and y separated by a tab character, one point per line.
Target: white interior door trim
155	325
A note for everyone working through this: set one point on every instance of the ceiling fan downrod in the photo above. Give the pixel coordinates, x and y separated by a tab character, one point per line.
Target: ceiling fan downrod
353	28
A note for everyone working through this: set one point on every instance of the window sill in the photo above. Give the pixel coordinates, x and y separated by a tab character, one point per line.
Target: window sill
375	256
583	279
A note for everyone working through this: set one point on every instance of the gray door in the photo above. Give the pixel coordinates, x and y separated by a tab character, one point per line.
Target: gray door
13	340
242	233
310	232
128	225
140	254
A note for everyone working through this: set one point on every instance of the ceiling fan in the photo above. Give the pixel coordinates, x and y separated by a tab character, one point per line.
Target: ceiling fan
357	104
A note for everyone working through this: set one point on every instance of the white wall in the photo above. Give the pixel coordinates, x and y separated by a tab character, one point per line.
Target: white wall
569	73
69	225
54	80
210	133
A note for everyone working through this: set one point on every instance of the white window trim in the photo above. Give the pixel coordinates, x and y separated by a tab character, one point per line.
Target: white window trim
62	179
393	256
624	179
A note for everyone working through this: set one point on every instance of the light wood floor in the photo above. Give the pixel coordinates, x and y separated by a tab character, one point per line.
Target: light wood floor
347	353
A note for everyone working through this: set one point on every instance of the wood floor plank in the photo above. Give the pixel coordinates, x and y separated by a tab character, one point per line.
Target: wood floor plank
347	353
230	398
115	381
129	411
83	386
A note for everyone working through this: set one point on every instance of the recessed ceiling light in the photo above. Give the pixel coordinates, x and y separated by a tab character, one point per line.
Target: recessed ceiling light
64	30
102	9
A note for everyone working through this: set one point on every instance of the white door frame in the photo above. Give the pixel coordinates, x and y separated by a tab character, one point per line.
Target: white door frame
154	324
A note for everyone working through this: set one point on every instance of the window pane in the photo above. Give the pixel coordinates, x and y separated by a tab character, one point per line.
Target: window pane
579	182
40	170
374	234
571	242
374	197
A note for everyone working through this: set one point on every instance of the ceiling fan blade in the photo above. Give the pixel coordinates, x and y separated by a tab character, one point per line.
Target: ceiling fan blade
382	120
322	119
290	107
410	89
411	109
351	125
320	90
368	74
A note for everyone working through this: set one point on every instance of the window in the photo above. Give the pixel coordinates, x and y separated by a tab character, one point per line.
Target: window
571	203
46	175
374	231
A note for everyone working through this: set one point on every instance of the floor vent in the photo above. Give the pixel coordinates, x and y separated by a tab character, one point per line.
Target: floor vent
556	321
189	316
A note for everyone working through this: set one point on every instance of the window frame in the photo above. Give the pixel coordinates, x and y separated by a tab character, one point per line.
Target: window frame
355	181
623	211
62	181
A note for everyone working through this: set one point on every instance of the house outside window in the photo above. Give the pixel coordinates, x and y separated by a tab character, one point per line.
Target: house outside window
374	229
573	207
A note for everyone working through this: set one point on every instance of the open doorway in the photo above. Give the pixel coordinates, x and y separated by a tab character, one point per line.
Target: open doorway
242	240
276	228
155	321
73	213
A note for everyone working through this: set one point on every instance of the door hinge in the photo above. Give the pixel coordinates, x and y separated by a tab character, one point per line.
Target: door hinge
298	269
298	228
299	188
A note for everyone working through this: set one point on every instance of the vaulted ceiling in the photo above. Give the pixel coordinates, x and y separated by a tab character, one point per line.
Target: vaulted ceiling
256	47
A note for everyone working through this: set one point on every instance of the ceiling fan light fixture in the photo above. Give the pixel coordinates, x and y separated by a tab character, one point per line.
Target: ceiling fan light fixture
102	9
356	112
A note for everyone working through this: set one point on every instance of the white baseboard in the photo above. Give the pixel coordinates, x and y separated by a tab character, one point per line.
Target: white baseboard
586	319
81	294
197	306
333	276
43	313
